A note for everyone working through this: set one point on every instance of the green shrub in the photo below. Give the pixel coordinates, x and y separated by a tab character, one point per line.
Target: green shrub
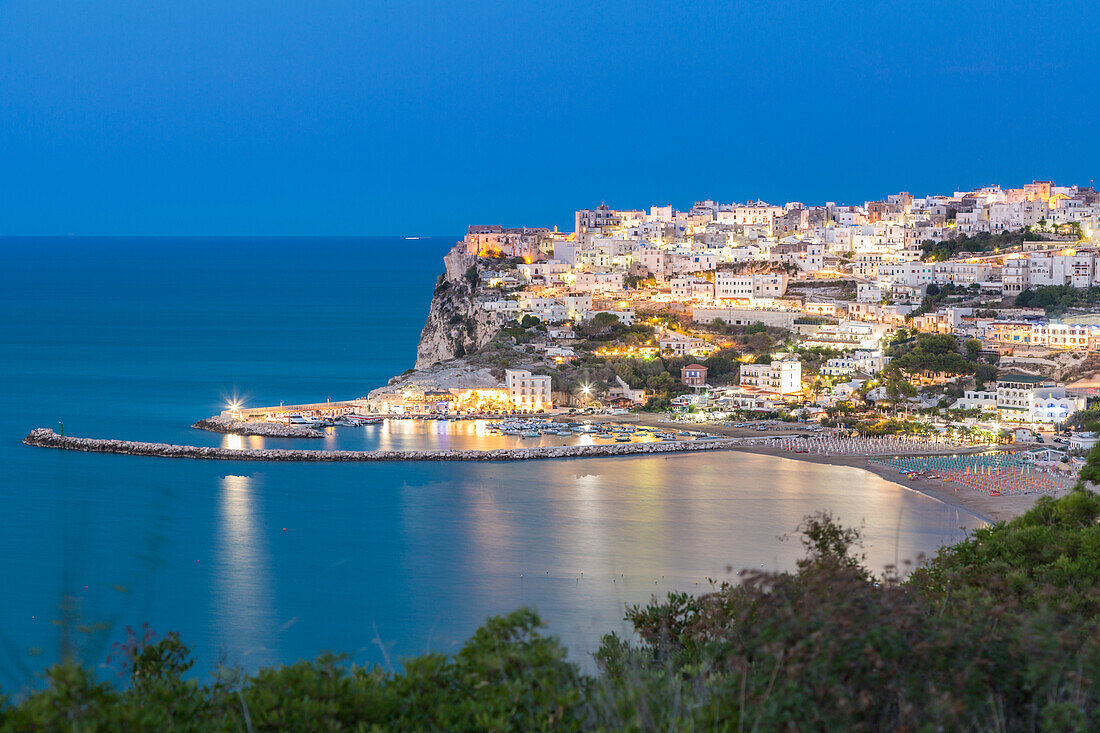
998	631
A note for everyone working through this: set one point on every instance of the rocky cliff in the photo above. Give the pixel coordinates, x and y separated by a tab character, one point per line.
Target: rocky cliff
456	326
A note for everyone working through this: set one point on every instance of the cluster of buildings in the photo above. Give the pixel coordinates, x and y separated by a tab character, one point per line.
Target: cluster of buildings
1076	267
855	240
735	262
523	392
1016	399
763	386
838	277
1024	399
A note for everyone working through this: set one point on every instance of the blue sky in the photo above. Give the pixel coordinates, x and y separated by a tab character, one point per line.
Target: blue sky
327	117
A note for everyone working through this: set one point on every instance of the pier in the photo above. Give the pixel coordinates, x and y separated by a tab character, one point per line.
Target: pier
47	438
313	409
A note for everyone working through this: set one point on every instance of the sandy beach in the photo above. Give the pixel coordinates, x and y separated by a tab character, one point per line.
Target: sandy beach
980	503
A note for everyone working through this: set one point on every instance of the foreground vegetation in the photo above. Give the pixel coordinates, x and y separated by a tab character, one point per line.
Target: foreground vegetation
998	632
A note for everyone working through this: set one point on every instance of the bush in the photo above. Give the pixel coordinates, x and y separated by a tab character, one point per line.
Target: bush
999	631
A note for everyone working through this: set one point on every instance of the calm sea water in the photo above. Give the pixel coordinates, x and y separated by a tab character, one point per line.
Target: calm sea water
257	563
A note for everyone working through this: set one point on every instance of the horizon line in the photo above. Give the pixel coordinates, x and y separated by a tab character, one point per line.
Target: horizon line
225	236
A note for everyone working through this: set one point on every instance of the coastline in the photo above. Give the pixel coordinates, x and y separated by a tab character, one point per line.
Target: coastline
982	505
989	508
47	438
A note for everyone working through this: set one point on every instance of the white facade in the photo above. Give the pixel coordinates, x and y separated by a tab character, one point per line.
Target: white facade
691	288
962	273
1034	400
976	399
782	377
908	273
868	293
839	367
681	345
848	336
728	286
528	391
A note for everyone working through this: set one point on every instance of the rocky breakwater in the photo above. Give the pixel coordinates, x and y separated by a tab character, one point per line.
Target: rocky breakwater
266	429
46	438
456	326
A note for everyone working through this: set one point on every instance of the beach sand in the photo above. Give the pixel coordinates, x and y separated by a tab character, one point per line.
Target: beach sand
980	503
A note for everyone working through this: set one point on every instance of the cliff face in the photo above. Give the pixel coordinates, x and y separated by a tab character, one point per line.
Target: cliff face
455	325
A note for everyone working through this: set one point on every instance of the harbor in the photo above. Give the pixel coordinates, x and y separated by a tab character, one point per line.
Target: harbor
47	438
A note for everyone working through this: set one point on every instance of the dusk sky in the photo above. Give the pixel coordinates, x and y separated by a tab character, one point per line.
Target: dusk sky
325	117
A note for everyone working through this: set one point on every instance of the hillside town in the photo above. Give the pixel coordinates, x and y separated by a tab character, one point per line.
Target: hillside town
971	311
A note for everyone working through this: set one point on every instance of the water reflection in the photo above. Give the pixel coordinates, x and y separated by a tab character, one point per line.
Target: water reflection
424	551
579	540
422	434
243	617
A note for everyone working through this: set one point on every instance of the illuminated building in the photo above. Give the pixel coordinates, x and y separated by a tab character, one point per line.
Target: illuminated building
528	391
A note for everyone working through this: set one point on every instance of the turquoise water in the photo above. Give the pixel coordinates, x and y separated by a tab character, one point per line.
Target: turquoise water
262	563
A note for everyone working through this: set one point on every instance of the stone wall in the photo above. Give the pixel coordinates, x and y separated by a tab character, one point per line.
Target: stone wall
265	429
47	438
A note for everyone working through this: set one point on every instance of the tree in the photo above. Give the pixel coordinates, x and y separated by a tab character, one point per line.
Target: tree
973	346
605	320
718	366
898	389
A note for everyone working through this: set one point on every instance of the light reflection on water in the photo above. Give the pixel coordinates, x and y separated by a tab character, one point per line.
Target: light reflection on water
406	434
243	617
137	338
282	561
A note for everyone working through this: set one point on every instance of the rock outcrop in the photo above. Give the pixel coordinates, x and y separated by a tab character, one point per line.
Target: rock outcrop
453	374
456	326
46	438
219	424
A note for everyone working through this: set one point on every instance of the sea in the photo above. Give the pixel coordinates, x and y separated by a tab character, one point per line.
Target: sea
259	564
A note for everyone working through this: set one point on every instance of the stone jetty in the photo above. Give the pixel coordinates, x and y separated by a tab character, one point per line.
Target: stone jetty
266	429
47	438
